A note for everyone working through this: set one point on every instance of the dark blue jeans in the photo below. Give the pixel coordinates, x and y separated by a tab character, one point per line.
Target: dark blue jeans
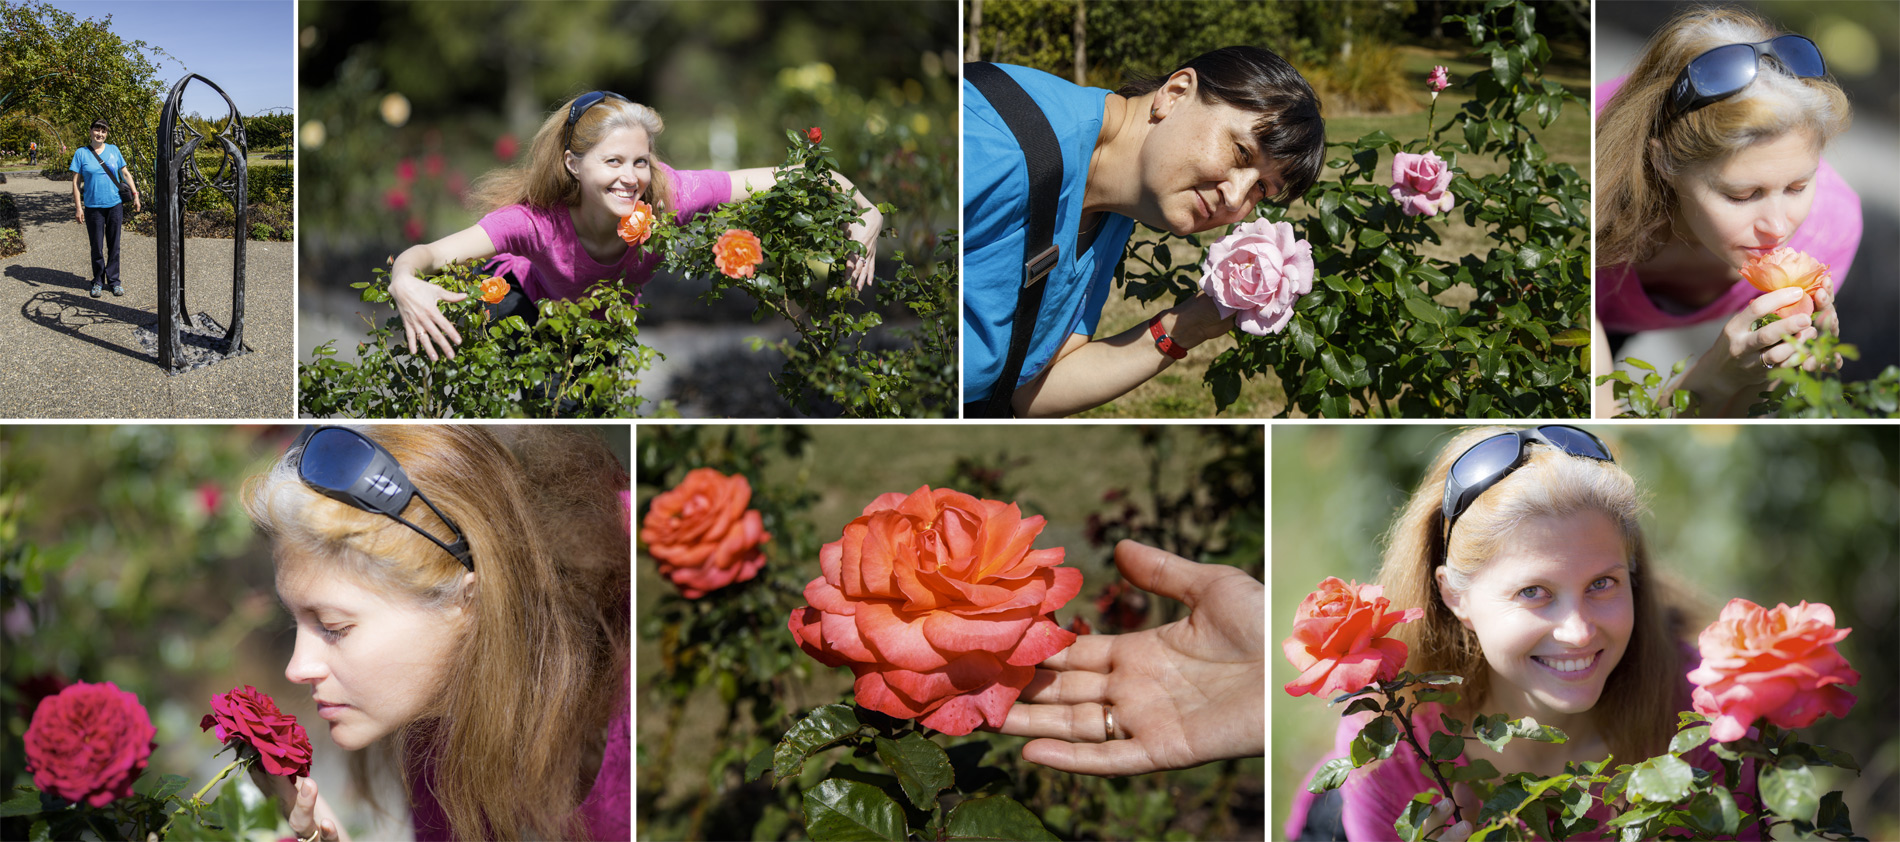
102	229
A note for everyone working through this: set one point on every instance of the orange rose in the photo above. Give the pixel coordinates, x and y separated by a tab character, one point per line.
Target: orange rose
1339	642
636	227
703	535
494	289
939	607
1785	267
737	252
1777	663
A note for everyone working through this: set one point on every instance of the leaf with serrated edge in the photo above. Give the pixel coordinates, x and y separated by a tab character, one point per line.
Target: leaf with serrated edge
847	811
995	817
921	766
822	727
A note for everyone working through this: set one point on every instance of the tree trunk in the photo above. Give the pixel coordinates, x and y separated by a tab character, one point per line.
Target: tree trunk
1081	44
975	39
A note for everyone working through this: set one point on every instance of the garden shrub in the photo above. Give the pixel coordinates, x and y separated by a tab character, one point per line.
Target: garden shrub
1792	392
1376	337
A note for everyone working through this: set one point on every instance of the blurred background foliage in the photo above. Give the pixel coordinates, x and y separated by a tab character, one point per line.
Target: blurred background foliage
706	707
404	105
1771	513
126	556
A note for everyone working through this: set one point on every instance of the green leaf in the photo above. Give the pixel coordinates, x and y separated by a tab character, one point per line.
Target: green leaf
1688	740
1425	311
1412	824
759	763
1833	816
1832	757
1360	705
1330	775
1375	741
822	727
1664	779
1571	338
1445	746
995	817
1492	731
1477	770
22	804
1713	812
848	810
1790	790
921	767
1371	238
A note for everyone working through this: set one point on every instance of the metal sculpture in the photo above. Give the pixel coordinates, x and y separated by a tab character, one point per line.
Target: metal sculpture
179	179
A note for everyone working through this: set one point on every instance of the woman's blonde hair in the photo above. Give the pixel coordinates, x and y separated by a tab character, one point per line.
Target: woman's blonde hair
1636	713
537	673
542	180
1635	202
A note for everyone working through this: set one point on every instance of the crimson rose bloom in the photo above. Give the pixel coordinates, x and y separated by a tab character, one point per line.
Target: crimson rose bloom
938	605
89	743
815	135
1777	663
1339	642
250	715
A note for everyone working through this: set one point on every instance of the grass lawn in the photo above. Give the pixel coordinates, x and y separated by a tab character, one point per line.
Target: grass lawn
1181	393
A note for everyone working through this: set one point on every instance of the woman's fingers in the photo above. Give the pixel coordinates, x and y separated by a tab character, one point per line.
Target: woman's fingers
1075	723
1164	573
303	814
1067	687
1115	757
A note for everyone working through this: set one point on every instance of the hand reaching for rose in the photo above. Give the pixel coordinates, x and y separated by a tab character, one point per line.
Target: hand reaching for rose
298	800
1184	694
865	230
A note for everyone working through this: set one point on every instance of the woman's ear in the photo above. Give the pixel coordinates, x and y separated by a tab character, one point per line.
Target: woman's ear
1453	599
573	163
1182	84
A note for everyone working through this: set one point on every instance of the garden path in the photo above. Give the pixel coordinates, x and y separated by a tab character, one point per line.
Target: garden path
68	355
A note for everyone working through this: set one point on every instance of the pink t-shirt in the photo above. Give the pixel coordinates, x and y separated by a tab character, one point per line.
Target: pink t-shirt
1831	235
538	245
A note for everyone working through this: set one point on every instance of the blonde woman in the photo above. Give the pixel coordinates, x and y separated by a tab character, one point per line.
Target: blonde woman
553	219
1708	155
1524	549
461	598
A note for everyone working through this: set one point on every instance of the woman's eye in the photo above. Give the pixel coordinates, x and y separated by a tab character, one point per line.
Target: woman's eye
1532	592
331	634
1796	191
1603	584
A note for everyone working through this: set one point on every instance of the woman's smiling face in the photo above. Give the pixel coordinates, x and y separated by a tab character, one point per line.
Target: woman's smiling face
615	173
372	663
1751	201
1201	165
1553	613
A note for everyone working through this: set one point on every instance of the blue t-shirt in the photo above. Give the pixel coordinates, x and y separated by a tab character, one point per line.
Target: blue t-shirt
996	220
97	189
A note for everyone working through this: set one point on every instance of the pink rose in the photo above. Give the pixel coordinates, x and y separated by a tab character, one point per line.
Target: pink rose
1777	663
88	743
1339	642
1258	271
1419	182
1439	80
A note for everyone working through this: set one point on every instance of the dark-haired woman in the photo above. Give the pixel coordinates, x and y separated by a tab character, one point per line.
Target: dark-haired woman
1190	152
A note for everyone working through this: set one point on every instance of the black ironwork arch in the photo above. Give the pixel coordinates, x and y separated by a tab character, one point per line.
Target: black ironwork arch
179	179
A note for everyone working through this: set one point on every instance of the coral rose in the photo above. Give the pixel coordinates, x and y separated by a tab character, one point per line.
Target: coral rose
1440	79
737	253
1785	267
939	606
1339	643
1776	663
88	743
703	535
636	227
494	289
250	715
1420	183
1257	273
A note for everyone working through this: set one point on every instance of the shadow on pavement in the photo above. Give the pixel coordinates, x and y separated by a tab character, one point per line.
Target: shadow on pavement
71	314
40	276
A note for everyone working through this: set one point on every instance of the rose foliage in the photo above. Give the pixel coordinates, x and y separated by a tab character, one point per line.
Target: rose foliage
939	606
246	715
1390	332
1791	391
702	533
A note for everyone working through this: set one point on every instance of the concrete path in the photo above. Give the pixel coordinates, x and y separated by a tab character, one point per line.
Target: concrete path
64	354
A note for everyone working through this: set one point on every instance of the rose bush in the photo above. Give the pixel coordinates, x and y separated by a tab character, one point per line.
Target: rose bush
1339	641
702	533
249	716
939	606
88	743
1779	664
1420	184
1258	272
1786	267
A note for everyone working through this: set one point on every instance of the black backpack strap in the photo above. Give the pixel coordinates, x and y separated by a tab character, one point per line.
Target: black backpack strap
102	165
1044	155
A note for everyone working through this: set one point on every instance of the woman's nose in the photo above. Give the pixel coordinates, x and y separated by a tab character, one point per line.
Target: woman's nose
1778	222
304	668
1575	627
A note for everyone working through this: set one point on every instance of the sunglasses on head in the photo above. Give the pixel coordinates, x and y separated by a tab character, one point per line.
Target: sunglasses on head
1483	464
346	466
1724	71
580	106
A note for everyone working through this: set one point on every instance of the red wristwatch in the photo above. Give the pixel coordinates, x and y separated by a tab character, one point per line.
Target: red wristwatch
1163	341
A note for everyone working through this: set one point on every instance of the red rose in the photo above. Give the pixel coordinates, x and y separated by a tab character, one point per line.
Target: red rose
703	535
939	607
1339	642
815	135
1780	664
89	743
249	715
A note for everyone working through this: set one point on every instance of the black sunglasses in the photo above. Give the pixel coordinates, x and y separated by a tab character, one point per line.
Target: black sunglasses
344	465
580	106
1724	71
1485	463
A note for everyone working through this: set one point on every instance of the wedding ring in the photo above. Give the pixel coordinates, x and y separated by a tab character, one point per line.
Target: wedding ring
1108	723
314	834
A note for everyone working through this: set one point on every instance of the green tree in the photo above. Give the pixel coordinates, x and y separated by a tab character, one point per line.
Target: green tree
71	71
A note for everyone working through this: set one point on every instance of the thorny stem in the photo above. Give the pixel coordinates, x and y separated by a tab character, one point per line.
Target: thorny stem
199	797
1405	731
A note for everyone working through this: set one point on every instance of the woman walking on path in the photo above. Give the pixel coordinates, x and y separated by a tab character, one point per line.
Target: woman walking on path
96	203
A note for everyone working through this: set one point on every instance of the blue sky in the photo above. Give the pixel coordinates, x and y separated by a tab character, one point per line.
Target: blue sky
248	47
